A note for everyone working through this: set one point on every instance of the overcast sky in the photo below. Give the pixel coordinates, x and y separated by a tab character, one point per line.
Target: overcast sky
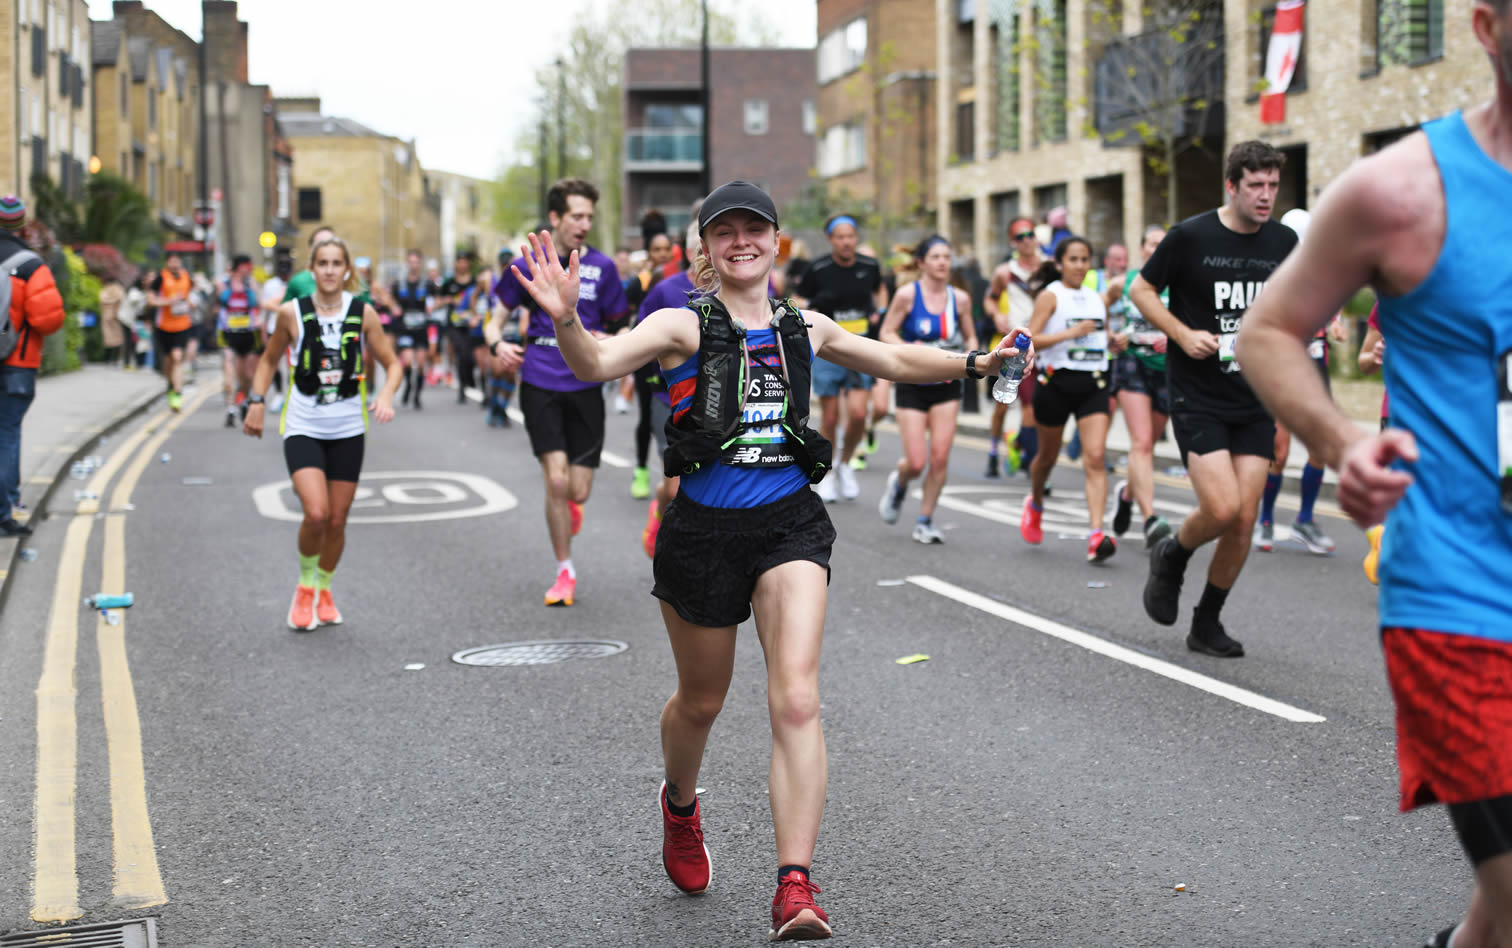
450	79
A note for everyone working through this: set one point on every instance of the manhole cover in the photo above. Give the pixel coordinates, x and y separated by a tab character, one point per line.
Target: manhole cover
543	652
138	933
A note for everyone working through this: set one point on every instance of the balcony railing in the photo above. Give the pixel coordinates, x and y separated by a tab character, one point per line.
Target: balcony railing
657	149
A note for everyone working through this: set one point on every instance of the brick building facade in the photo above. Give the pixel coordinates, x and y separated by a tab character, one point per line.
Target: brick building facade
48	94
761	129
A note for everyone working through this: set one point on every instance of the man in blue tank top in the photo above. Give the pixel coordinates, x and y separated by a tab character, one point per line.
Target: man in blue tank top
1426	223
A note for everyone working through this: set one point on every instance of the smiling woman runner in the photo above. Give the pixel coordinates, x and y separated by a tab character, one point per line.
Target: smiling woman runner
325	416
744	531
926	313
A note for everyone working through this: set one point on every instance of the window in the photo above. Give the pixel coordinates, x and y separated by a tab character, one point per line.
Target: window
1409	31
23	111
283	190
674	116
842	50
842	149
309	204
1050	67
756	115
125	106
123	169
810	117
965	131
152	178
1268	23
1005	78
151	108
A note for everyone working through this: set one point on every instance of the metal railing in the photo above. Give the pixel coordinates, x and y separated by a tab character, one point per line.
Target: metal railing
658	147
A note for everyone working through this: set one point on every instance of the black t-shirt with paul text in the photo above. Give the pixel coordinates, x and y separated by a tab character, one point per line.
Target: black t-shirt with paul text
1214	276
843	293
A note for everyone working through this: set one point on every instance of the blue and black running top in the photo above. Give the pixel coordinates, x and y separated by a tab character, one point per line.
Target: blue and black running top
1447	552
938	329
752	470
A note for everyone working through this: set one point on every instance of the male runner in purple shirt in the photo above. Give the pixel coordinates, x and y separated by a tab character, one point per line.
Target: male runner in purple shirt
563	416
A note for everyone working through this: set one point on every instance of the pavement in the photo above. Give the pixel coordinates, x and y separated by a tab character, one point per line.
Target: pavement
1060	771
64	425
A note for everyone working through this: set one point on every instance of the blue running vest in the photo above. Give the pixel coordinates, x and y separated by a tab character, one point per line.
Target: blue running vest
1446	557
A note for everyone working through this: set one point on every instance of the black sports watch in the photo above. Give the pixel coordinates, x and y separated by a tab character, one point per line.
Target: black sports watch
254	399
971	369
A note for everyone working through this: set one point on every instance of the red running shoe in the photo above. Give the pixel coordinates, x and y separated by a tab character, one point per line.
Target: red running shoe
1029	523
562	591
795	917
577	516
684	854
653	524
1100	546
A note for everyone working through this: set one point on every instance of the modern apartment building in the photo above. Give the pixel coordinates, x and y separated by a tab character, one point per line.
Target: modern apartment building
1038	102
48	95
762	127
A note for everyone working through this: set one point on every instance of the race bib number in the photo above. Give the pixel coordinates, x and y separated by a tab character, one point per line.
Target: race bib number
179	307
1087	355
330	380
406	342
414	320
239	323
1226	351
764	443
1315	349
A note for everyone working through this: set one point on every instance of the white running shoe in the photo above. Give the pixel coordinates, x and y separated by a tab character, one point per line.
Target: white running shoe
850	489
826	488
621	406
891	502
927	533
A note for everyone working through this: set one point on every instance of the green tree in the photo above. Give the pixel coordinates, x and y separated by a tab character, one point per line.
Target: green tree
54	209
116	213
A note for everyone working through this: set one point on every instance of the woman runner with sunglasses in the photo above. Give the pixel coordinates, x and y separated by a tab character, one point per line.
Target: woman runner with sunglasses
744	531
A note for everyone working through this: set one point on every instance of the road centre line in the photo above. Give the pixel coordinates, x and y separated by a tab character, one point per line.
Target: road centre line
55	893
1117	652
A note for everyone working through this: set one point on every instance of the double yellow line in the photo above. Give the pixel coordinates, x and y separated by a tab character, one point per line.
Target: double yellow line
138	883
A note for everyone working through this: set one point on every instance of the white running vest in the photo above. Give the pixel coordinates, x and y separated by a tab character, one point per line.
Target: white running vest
1088	353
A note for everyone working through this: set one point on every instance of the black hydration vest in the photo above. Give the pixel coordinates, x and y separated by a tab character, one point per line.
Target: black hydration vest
715	421
319	372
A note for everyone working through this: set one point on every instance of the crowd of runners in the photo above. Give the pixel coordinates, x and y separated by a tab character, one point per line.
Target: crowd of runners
764	405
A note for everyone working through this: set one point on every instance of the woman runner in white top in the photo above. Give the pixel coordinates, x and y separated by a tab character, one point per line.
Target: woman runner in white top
324	420
1070	328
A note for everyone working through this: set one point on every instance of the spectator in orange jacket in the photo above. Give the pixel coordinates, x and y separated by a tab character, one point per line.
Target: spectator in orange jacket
36	310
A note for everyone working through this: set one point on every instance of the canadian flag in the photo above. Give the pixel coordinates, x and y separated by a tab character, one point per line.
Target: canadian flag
1281	60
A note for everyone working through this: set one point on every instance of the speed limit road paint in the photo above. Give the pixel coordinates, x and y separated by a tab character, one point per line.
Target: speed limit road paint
400	497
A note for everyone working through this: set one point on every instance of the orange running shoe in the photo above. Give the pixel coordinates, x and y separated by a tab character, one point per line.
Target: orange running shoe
325	609
561	591
653	524
302	610
577	516
1029	523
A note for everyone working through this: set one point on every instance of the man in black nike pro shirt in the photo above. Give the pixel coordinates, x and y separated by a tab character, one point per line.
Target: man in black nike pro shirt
1215	265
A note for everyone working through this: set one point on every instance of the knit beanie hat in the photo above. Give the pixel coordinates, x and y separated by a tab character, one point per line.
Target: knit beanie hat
12	212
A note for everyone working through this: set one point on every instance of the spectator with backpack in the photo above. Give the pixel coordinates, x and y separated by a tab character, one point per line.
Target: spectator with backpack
30	297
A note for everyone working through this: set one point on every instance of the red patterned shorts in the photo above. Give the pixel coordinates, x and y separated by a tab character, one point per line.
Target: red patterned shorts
1453	715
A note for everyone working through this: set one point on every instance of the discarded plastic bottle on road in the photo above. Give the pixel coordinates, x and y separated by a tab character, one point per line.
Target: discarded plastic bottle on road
166	457
1005	389
85	495
103	601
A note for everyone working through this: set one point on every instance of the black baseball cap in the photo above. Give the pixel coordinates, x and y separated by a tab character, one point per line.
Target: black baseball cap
736	196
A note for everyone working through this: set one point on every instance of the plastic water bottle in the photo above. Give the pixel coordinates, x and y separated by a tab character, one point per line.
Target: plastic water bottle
1005	389
109	601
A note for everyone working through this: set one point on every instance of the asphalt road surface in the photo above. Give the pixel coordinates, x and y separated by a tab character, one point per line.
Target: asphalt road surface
1060	771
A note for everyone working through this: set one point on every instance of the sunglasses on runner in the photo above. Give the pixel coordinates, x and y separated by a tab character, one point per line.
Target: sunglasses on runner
1024	236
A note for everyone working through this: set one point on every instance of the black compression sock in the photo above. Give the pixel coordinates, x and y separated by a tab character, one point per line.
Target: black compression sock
1177	554
1149	520
784	870
682	811
1211	602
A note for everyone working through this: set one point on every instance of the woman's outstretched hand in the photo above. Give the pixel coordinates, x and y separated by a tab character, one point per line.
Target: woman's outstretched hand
553	288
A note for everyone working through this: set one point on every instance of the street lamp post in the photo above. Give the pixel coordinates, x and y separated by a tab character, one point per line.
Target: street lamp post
705	95
561	118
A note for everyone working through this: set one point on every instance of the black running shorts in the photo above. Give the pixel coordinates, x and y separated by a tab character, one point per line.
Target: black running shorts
1201	433
341	459
925	397
1068	393
240	343
169	341
709	558
564	421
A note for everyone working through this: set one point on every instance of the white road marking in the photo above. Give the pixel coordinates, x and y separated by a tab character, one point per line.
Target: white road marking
1117	652
416	488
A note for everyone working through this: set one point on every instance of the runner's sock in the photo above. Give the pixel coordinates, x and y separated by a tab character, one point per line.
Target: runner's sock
1028	442
1149	520
682	811
1211	602
1312	480
567	565
323	578
1268	500
992	448
409	375
783	871
925	520
1176	554
308	567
